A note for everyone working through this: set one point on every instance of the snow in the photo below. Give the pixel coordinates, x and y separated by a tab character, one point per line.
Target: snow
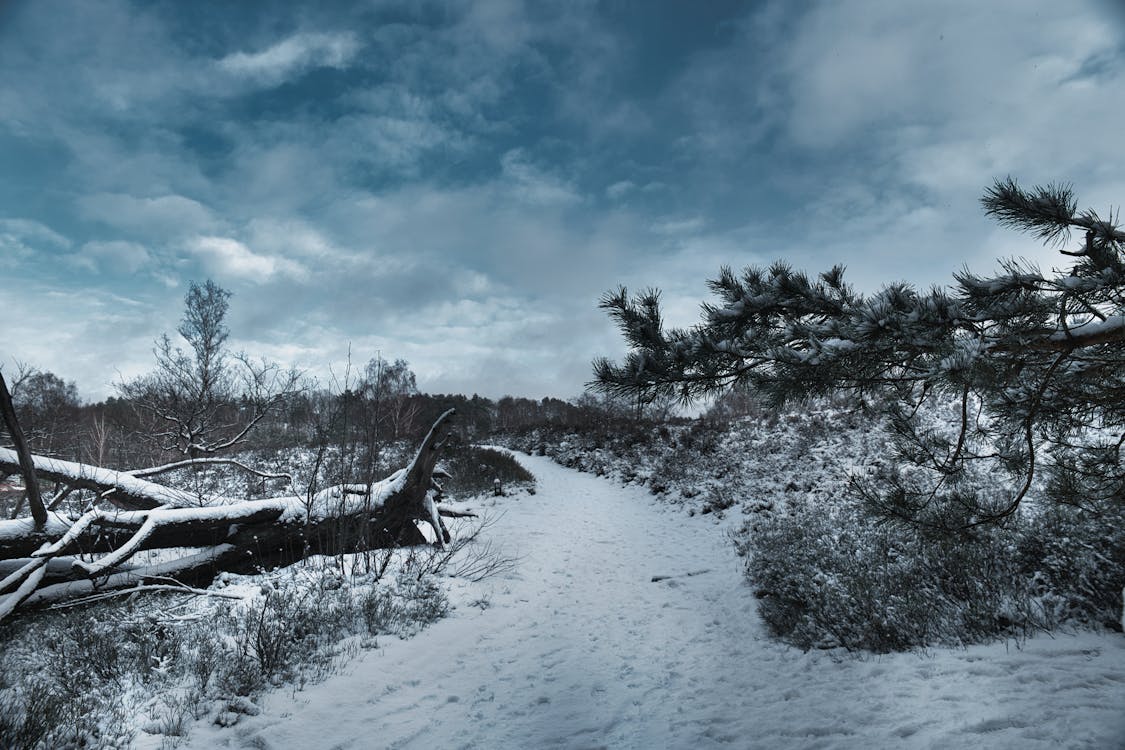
1109	325
729	313
840	345
124	480
71	589
16	528
581	648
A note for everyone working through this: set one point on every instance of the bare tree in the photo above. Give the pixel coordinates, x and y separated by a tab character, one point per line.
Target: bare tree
392	385
204	400
97	447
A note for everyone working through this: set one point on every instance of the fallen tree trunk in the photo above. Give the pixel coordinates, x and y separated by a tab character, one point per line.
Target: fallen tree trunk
223	536
121	488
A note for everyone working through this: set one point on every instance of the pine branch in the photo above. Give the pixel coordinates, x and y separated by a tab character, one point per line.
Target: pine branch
1046	212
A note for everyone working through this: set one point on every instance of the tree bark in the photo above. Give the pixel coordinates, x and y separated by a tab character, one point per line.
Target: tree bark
30	483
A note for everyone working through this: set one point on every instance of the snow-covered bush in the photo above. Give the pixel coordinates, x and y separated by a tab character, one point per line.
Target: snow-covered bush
828	576
828	572
405	608
61	678
86	678
283	632
473	470
31	714
1075	561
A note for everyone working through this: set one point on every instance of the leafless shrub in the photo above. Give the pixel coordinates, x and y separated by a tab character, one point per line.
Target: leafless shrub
469	556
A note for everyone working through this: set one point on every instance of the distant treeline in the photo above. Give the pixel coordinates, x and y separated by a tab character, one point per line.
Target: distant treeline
117	433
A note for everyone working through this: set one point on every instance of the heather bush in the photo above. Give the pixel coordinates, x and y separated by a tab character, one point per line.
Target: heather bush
829	572
473	470
72	679
828	576
1072	559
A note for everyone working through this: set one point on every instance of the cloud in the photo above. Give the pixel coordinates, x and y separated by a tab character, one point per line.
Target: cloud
31	231
619	190
161	217
679	226
871	146
24	242
460	186
21	239
115	256
292	56
905	80
292	236
532	184
87	335
394	140
229	257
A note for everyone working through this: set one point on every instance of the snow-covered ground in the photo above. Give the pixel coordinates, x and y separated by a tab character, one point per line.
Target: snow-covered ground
580	648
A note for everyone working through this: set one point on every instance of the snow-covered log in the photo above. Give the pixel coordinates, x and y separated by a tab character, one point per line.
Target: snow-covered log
121	488
222	535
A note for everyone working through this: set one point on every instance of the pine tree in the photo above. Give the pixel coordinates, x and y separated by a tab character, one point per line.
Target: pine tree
1033	364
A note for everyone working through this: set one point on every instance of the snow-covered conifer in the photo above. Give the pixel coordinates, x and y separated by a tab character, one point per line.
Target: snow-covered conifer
1032	363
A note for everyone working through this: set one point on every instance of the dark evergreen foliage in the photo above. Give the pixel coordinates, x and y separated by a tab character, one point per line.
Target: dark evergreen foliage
1033	364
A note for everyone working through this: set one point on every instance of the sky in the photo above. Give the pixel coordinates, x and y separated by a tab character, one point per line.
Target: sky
458	183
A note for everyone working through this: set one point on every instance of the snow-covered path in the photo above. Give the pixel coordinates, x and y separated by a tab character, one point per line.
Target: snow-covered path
581	649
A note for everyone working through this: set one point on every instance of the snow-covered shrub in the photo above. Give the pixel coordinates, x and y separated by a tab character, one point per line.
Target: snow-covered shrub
380	611
1075	561
424	601
30	714
278	634
405	608
626	448
832	573
59	683
87	678
292	629
473	470
827	576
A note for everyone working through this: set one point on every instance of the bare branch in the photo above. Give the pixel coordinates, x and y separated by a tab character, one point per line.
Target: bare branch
30	482
194	462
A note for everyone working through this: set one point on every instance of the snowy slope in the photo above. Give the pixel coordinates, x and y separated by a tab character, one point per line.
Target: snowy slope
581	649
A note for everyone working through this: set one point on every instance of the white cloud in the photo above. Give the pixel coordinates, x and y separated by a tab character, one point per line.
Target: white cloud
393	133
293	237
230	257
156	217
95	337
400	142
116	256
21	239
531	184
32	231
842	132
679	226
899	115
619	190
292	56
942	76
